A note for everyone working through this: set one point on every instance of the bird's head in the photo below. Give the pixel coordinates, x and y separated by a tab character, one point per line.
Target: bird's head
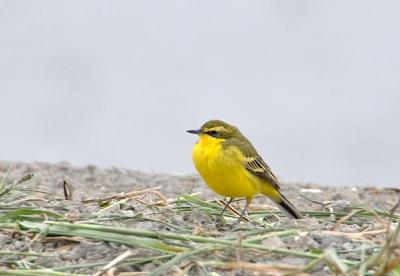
216	129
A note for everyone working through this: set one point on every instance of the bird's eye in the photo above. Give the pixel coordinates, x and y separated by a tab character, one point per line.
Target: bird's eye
213	133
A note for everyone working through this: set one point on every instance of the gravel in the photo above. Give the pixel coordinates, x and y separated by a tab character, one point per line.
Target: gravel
91	182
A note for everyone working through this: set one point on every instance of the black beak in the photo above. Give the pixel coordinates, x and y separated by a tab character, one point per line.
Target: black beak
196	131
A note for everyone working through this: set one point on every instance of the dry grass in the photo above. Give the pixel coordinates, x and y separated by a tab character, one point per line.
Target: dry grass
191	246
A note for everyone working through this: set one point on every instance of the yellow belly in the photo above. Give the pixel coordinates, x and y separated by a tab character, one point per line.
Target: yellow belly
223	170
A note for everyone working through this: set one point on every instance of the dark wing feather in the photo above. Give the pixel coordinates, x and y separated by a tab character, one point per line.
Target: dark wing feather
257	166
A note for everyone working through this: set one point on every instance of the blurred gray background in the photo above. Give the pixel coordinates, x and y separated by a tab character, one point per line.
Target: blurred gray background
314	84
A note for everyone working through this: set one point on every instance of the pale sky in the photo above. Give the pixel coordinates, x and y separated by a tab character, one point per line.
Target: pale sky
315	85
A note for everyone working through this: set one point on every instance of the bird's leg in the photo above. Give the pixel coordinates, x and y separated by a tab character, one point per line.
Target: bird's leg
226	206
244	211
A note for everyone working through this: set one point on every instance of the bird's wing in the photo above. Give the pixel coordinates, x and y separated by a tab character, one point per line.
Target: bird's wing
257	166
252	161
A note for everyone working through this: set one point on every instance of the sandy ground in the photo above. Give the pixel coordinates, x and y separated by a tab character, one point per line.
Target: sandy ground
92	182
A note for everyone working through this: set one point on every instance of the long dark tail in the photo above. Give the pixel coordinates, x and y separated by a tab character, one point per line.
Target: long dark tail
288	209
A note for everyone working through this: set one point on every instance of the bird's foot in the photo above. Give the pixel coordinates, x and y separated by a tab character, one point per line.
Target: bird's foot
220	222
243	217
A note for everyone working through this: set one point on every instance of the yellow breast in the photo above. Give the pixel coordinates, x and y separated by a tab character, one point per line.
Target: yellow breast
222	169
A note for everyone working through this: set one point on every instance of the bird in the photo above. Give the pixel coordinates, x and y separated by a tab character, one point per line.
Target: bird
231	167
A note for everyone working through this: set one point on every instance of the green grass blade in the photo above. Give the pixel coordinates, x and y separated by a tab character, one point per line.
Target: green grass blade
99	233
17	214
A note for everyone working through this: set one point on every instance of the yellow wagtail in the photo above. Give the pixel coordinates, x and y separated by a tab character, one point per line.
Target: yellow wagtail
231	167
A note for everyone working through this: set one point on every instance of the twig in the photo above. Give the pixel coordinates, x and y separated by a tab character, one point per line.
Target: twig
393	209
114	262
356	236
132	194
270	269
182	256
